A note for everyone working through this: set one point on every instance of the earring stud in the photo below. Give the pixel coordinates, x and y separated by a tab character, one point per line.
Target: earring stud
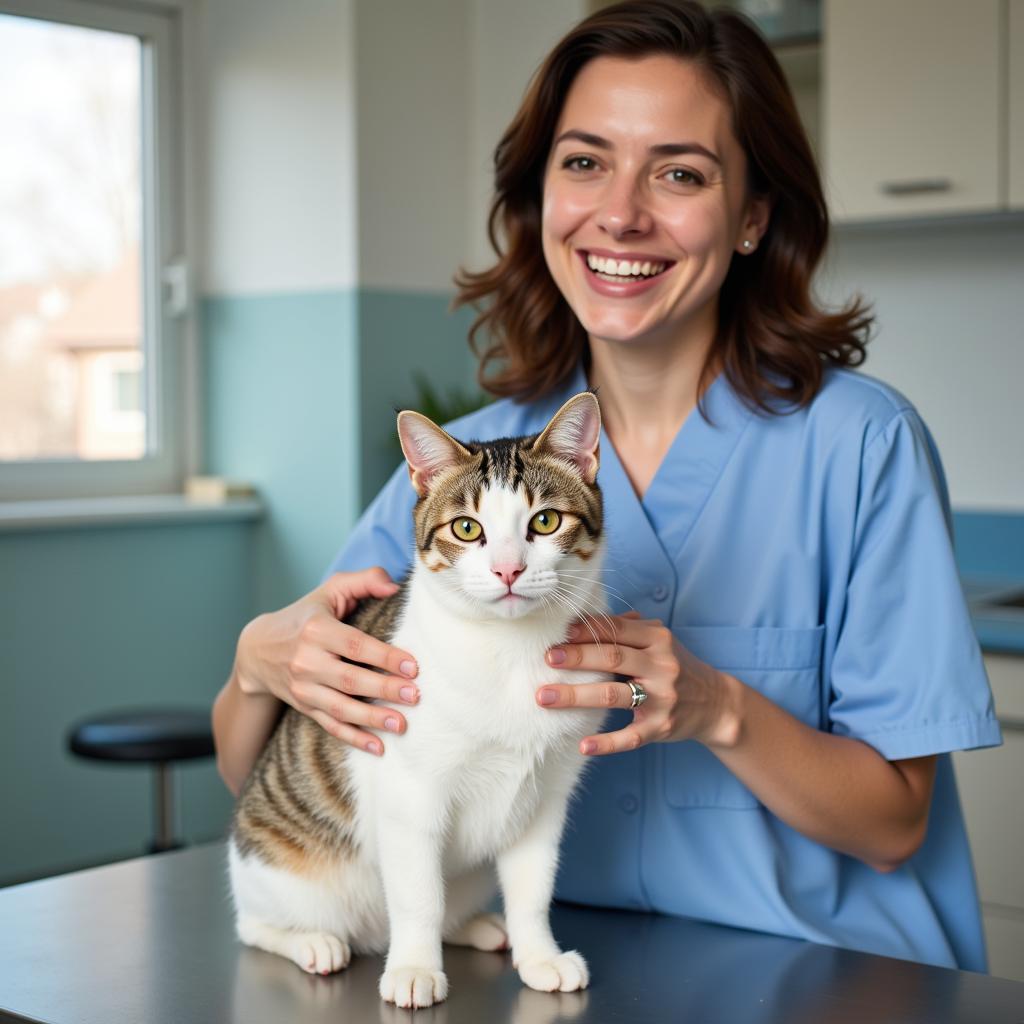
747	244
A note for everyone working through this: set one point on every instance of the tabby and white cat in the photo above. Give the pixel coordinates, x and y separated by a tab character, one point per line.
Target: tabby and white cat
333	851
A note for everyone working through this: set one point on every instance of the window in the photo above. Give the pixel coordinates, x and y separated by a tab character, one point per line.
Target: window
91	367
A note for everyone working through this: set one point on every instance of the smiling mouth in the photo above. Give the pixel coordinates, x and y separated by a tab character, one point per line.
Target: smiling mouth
618	271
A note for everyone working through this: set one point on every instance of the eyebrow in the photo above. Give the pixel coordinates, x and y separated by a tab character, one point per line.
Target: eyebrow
664	149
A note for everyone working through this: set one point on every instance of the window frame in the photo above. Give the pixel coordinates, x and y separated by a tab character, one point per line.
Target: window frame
169	332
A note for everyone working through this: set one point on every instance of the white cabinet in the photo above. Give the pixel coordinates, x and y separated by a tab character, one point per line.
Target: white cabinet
991	784
916	108
1015	104
912	116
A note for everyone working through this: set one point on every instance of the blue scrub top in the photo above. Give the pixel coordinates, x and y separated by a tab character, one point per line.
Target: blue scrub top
809	555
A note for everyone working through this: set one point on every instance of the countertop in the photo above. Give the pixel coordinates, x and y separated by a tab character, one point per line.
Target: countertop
998	621
990	557
152	940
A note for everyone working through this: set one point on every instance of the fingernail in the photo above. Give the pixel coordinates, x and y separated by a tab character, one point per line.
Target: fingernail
548	696
374	747
556	656
409	694
407	668
391	724
588	746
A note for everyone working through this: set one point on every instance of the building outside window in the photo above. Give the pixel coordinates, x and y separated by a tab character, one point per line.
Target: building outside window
91	369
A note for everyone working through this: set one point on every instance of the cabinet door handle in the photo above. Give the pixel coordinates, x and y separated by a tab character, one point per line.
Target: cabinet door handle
1011	723
915	186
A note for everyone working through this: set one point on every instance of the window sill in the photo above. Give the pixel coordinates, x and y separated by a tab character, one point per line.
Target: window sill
131	510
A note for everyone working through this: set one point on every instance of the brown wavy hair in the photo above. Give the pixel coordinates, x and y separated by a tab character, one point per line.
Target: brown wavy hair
773	339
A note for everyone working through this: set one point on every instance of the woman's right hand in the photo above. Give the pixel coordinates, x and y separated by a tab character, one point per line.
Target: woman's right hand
307	657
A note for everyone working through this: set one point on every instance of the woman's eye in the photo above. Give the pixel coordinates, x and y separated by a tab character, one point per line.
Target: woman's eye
679	176
580	163
467	529
545	522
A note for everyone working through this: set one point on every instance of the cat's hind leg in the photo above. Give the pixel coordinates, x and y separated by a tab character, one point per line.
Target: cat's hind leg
309	920
315	952
485	931
466	923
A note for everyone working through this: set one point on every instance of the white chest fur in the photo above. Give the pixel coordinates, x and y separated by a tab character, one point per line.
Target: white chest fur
479	753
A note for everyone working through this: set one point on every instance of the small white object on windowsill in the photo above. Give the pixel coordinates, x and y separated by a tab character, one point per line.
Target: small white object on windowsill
215	490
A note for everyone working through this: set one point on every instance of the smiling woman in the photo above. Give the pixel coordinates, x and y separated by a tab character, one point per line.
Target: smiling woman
606	190
788	611
686	122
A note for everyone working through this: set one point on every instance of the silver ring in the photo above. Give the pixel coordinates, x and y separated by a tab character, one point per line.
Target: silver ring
639	693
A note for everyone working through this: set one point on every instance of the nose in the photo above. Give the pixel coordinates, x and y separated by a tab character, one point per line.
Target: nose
623	209
508	572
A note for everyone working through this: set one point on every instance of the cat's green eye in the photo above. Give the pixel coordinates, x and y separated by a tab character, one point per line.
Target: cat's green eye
467	529
545	522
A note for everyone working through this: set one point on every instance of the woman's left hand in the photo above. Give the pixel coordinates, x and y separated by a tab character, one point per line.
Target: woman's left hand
686	697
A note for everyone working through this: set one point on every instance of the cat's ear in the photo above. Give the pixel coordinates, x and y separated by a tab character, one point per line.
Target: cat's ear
574	434
427	449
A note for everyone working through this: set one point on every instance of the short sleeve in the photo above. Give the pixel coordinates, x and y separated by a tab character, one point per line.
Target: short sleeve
907	675
383	535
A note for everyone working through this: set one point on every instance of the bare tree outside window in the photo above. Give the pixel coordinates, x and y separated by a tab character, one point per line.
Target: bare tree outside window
71	354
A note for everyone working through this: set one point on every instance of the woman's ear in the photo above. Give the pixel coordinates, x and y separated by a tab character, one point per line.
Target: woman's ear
756	218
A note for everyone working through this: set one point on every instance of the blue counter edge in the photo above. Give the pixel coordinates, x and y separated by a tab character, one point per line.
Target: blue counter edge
990	557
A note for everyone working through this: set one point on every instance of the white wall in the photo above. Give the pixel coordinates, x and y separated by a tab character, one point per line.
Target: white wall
278	171
437	85
412	95
350	141
508	42
950	335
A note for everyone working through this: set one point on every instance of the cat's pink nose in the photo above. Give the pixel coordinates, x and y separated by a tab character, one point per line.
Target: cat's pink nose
509	572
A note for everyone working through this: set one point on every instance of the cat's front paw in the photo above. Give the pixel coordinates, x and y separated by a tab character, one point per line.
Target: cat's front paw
566	972
413	986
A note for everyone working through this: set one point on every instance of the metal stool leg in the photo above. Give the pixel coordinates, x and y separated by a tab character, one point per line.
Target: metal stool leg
164	810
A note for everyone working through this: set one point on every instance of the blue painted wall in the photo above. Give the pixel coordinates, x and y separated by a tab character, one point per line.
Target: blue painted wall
98	618
301	392
402	334
282	411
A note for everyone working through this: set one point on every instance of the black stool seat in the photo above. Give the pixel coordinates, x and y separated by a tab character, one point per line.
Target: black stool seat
146	735
155	736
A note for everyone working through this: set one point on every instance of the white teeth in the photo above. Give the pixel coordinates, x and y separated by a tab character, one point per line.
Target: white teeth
623	268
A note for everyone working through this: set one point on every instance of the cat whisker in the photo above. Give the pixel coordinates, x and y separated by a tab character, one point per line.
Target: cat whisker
627	578
608	589
587	618
581	594
583	616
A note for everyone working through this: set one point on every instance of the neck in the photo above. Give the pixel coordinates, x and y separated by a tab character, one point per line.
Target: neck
649	388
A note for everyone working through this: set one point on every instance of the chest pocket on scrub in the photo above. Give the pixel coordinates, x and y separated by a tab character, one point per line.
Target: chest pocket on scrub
782	664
